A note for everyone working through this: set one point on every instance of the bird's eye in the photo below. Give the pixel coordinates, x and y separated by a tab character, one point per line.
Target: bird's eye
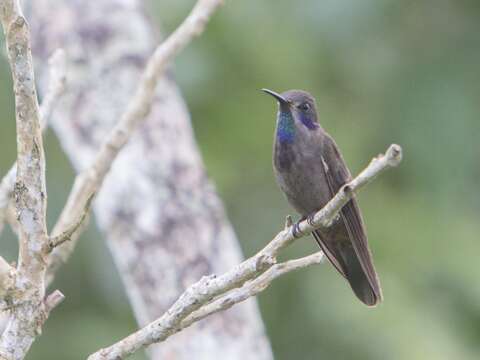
304	106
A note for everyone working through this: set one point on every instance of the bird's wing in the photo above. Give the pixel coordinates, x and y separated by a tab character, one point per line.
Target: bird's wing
337	175
330	253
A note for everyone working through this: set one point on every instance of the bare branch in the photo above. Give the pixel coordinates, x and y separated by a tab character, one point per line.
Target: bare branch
53	300
251	288
56	87
210	287
137	110
27	313
30	193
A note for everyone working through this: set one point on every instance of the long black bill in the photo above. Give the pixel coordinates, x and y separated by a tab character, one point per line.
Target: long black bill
277	96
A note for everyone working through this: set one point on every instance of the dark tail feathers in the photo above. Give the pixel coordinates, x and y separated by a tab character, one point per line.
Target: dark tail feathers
343	257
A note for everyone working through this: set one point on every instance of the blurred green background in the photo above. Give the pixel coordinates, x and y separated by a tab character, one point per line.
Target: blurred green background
382	71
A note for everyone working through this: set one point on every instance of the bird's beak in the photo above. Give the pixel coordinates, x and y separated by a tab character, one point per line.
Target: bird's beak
281	100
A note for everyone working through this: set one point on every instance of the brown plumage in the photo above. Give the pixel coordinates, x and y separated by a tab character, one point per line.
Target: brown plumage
310	170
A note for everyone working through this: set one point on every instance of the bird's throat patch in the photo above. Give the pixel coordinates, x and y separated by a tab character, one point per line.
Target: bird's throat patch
286	127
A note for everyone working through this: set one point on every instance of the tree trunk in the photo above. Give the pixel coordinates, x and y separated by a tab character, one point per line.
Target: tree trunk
161	217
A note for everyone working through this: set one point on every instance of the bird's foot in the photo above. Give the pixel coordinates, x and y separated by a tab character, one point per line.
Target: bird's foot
296	232
310	219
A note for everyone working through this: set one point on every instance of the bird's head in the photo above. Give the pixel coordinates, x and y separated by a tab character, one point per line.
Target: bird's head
298	104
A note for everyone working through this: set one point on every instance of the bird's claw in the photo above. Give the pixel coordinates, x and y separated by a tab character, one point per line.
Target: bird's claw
310	219
296	232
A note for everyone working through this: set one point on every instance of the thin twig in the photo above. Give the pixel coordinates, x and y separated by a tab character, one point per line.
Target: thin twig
210	287
53	300
53	242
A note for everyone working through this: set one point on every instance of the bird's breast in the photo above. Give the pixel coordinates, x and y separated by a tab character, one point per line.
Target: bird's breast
299	173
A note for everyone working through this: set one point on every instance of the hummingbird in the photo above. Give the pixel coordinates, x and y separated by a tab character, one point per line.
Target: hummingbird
310	170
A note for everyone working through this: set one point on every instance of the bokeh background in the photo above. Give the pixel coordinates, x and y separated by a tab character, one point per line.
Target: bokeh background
382	71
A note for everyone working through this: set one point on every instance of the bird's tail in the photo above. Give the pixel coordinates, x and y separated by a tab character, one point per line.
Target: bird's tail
343	257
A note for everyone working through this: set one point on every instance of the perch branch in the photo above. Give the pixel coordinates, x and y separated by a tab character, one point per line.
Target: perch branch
90	180
251	288
56	87
202	293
